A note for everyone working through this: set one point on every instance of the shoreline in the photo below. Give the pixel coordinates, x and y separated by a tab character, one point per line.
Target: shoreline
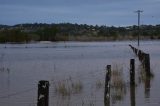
47	42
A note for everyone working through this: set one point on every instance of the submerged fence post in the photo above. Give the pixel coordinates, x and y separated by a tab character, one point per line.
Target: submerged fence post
147	64
107	86
132	82
43	93
136	51
144	59
132	95
132	72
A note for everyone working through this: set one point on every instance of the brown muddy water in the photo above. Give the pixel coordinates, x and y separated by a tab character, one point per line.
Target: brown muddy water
76	72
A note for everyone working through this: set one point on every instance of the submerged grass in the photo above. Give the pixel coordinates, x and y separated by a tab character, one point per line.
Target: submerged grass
77	87
99	84
62	89
118	84
117	80
69	87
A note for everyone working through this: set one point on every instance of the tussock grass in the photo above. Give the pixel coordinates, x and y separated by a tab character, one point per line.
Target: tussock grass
69	87
117	80
99	84
77	87
118	84
63	89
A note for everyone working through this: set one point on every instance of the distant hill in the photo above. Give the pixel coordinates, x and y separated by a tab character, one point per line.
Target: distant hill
23	33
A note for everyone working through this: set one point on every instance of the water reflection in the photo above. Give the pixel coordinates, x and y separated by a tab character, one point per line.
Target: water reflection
107	102
119	86
147	85
132	95
146	80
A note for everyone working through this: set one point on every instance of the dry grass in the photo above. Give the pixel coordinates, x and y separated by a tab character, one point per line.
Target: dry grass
77	87
99	84
63	89
118	85
67	88
117	76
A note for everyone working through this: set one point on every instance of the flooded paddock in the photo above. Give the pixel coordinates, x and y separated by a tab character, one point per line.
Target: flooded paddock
76	73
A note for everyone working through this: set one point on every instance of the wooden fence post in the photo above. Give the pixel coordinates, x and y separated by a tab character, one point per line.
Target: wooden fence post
139	55
132	95
132	72
132	82
147	64
43	93
136	51
107	86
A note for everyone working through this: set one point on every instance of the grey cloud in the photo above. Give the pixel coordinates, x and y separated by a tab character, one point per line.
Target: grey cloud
112	12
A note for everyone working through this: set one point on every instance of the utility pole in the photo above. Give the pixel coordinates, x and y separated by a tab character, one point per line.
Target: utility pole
139	13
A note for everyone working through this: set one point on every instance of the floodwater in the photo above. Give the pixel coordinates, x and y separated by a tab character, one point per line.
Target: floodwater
80	67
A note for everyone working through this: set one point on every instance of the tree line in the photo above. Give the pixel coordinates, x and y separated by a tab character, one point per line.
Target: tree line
24	33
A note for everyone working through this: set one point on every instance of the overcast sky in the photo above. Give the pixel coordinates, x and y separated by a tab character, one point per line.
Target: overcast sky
100	12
